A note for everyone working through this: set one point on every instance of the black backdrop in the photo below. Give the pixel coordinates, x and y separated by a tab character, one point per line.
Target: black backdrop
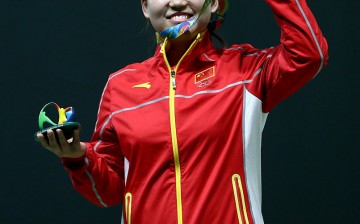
63	51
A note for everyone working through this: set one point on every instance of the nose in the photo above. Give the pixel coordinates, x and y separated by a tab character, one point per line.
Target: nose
177	3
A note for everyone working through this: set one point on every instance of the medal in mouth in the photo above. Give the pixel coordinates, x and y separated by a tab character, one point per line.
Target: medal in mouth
184	24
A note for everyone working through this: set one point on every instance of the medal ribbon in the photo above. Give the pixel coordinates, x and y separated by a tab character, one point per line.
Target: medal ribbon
181	28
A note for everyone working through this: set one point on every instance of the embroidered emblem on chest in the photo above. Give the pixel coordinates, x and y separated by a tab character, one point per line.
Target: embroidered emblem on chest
205	77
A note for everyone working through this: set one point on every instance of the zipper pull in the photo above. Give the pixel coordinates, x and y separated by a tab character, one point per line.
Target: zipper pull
173	81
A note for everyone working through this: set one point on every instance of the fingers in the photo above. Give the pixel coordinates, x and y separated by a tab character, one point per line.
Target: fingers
67	147
50	143
44	143
78	148
54	143
60	146
76	136
64	144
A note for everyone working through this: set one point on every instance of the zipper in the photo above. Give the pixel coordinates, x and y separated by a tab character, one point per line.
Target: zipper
172	90
173	80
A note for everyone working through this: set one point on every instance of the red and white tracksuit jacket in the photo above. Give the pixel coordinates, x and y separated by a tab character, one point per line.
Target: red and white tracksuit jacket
182	144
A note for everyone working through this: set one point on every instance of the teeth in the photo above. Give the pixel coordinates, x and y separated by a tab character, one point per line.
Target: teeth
179	17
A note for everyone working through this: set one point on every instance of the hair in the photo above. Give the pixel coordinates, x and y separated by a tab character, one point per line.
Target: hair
217	37
215	23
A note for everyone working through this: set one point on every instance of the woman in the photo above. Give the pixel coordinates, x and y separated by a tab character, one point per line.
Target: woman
178	136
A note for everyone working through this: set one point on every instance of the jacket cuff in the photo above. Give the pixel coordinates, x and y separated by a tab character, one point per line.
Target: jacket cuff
73	164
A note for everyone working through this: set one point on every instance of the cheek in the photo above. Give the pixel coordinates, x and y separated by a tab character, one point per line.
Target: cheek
155	13
156	7
157	22
203	21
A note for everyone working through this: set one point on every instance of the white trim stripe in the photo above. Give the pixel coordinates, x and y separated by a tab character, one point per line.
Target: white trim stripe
122	217
102	94
250	55
120	72
97	144
257	72
213	91
235	49
244	118
140	105
123	110
126	169
93	184
314	36
164	98
253	124
207	57
161	99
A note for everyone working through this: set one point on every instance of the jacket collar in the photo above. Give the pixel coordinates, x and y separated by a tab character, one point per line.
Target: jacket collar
203	50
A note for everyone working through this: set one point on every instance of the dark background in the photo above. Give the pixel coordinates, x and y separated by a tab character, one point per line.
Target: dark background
63	51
